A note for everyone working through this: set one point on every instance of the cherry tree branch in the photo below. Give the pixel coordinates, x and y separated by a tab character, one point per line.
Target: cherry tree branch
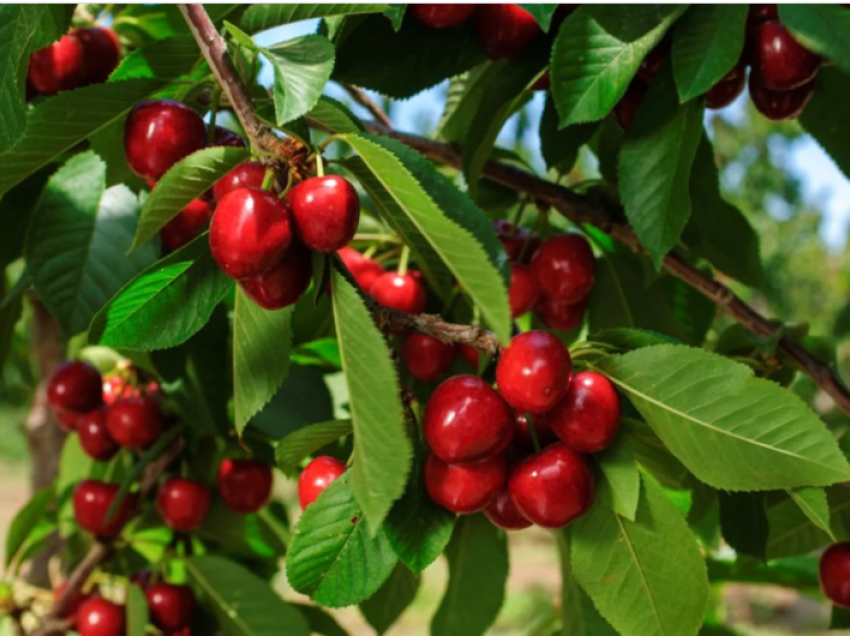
361	97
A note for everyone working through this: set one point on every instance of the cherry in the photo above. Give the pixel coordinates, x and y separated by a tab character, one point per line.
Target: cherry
441	16
588	417
780	105
189	223
627	107
172	607
182	503
552	487
464	488
426	357
504	514
245	485
316	476
542	428
561	316
224	137
505	30
564	268
325	212
465	420
75	387
73	604
533	372
523	292
249	174
779	62
760	13
284	283
135	422
364	270
518	242
160	133
399	291
835	574
250	232
727	89
651	63
101	53
92	500
470	355
99	617
57	67
94	436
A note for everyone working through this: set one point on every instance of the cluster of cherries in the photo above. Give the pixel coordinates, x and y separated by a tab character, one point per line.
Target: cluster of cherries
82	57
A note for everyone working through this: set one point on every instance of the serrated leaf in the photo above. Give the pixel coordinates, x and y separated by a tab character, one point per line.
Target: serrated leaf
821	28
295	447
792	532
621	477
335	115
827	116
627	339
813	503
302	67
542	14
25	521
579	617
743	522
137	611
332	557
728	427
303	399
260	17
185	181
560	148
383	609
164	59
646	576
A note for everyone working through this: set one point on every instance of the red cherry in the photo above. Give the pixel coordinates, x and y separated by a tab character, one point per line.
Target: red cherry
588	418
727	89
518	242
75	387
760	13
523	292
835	574
160	133
67	420
399	291
564	268
426	357
779	62
533	372
503	513
780	105
470	355
92	500
189	223
364	270
465	420
101	53
74	603
464	488
441	16
135	422
224	137
172	607
183	503
560	316
552	487
284	283
115	387
505	30
250	232
325	212
246	175
245	485
99	617
316	476
94	436
627	107
57	67
542	428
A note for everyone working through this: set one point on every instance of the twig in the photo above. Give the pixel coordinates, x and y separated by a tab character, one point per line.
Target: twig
361	97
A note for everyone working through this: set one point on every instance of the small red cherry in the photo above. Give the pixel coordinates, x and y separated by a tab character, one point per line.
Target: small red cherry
172	607
564	268
183	503
760	13
588	417
94	436
99	617
135	422
76	387
627	107
560	316
325	212
284	283
92	500
189	223
101	53
426	357
57	67
505	30
115	387
835	574
364	270
464	488
780	105
542	428
533	372
160	133
518	242
727	89
246	175
470	355
245	485
224	137
503	514
523	292
67	420
73	604
441	16
399	291
316	476
779	62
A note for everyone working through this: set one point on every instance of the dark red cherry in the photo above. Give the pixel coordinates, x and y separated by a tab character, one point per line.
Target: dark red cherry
464	488
522	436
76	387
160	133
727	89
399	291
73	604
543	83
135	422
552	487
325	212
523	292
92	500
564	268
245	485
246	175
760	13
779	62
67	420
504	514
533	372
224	137
470	355
518	242
426	357
505	30
465	420
560	316
94	435
627	107
588	417
284	283
189	223
780	105
316	476
101	53
250	232
99	617
835	574
57	67
651	63
364	270
183	503
172	607
441	16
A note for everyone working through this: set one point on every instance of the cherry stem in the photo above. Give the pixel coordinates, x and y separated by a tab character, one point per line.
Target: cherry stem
403	260
532	432
320	165
289	181
520	212
268	179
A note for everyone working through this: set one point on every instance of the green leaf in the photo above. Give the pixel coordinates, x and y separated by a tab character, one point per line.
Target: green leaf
262	340
137	611
245	604
332	557
382	450
627	339
821	28
383	609
320	621
560	148
827	117
728	427
334	115
597	52
76	247
260	17
164	305
164	59
579	617
743	521
16	211
813	503
646	576
542	14
792	531
655	162
295	447
621	477
185	181
478	571
707	44
302	67
303	399
25	522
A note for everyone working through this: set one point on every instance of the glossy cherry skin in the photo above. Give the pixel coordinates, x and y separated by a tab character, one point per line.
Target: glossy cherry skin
533	372
135	422
246	175
172	607
284	283
835	574
160	133
503	514
760	13
779	62
92	500
522	436
189	223
519	243
364	270
245	485
564	268
441	16
426	357
523	291
464	488
552	487
727	89
316	476
560	316
505	30
627	107
465	420
94	435
399	291
588	417
325	212
183	503
780	105
99	617
250	232
76	387
73	605
224	137
57	67
101	53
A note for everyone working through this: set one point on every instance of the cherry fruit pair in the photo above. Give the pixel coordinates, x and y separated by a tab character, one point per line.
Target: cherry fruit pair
82	57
